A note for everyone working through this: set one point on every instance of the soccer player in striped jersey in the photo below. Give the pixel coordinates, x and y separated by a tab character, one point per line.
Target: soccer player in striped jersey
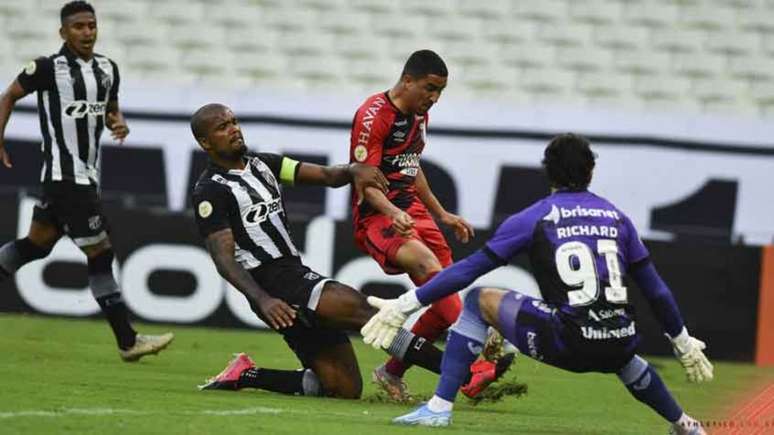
581	247
241	216
77	98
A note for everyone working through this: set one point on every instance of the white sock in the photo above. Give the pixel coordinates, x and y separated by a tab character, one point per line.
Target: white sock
436	404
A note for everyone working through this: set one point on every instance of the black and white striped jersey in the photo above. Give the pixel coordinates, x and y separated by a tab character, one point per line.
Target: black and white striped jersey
249	202
72	100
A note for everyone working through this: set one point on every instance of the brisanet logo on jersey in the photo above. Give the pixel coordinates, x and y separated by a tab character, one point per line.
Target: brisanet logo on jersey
579	211
79	109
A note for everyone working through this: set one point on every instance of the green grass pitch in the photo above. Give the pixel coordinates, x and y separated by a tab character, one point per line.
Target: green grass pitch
64	376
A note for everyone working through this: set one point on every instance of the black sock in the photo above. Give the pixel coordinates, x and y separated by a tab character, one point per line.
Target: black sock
413	349
118	316
17	253
278	381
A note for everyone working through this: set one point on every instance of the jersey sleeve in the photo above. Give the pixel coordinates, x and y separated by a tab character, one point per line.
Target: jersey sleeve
212	208
284	168
635	250
35	75
513	235
116	82
368	136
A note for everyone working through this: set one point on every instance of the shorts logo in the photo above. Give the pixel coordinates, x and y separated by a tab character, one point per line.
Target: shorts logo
311	276
30	68
474	348
541	306
205	209
360	153
532	346
94	222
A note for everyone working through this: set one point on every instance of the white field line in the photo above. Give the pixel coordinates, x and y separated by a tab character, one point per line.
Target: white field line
98	412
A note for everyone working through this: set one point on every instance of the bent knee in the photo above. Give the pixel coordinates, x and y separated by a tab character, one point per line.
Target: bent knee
344	388
448	309
96	249
489	299
423	269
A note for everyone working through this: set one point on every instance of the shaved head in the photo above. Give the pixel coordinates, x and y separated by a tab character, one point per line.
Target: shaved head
200	121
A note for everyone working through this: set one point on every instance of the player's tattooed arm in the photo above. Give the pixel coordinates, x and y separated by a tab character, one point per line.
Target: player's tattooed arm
360	175
8	100
462	229
115	122
274	311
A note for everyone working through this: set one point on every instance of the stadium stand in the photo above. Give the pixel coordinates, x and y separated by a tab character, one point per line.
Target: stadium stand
710	55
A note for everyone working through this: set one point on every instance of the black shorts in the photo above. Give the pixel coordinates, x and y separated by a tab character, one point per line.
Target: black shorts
75	210
300	287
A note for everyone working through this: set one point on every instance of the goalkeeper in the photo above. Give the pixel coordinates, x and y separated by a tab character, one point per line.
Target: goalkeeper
580	246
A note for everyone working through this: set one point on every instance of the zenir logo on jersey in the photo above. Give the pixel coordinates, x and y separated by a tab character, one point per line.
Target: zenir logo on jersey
79	109
258	213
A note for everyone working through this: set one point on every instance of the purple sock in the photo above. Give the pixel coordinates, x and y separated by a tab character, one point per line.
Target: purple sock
647	387
455	365
465	342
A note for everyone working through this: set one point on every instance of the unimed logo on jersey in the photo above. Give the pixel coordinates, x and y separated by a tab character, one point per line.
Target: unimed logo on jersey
79	109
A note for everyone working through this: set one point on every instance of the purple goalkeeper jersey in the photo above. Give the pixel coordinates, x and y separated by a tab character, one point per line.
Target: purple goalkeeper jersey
580	246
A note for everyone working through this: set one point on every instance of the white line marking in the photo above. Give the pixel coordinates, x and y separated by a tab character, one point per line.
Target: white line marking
65	412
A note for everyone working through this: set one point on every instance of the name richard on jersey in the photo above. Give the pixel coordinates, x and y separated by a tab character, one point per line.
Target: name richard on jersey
587	230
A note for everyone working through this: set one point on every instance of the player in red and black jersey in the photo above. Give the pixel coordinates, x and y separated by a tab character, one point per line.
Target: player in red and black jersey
397	229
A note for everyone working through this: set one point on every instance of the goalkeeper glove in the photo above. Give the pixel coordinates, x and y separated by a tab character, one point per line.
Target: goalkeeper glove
688	351
382	328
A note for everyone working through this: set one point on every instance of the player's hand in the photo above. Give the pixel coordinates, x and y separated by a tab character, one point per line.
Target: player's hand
5	157
688	351
382	328
403	223
118	128
367	176
279	314
463	230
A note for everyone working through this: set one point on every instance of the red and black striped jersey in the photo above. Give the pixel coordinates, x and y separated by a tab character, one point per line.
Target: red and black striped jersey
382	136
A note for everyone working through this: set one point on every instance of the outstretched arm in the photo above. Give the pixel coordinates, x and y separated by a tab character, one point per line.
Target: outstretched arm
380	330
220	244
362	176
687	349
660	298
8	100
458	276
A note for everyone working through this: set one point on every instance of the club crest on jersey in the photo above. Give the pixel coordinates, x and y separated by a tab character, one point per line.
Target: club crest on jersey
205	209
95	222
265	171
360	153
106	82
311	276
